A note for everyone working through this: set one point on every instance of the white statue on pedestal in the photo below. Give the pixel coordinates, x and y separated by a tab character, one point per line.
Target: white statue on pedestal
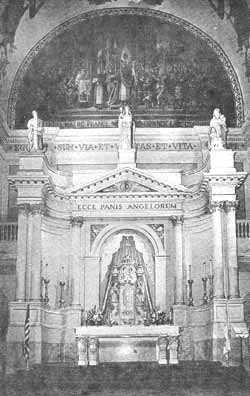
35	128
125	125
218	131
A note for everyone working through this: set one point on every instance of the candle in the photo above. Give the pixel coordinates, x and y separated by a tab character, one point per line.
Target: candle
211	267
204	270
62	275
46	271
190	272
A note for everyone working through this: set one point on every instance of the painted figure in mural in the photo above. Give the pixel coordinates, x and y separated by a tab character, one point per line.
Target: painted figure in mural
127	75
35	134
218	130
99	80
125	125
84	86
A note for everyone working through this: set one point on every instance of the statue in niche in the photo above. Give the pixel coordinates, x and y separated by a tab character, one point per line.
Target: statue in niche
35	132
126	126
127	295
218	131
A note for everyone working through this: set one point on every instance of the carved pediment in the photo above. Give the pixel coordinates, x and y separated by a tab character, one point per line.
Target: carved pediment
127	186
129	181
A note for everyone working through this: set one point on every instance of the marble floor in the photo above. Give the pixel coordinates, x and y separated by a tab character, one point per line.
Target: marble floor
134	379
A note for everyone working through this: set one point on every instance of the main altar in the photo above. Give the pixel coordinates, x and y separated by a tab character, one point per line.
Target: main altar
126	197
127	344
128	309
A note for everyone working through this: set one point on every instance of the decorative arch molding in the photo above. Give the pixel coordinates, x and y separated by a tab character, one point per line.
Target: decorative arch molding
145	230
17	83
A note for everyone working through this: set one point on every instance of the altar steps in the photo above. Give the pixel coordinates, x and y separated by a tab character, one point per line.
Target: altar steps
130	379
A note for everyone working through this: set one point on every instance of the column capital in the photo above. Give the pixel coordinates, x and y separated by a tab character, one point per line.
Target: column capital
37	208
177	219
216	205
76	221
231	205
23	208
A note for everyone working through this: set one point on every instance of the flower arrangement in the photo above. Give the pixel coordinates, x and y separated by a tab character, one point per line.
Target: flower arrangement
94	317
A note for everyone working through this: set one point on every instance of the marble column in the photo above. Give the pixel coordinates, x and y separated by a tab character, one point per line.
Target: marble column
178	236
36	246
218	265
160	282
76	259
230	207
92	282
21	251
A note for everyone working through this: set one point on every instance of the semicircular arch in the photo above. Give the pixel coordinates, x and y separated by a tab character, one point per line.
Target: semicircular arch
145	230
228	67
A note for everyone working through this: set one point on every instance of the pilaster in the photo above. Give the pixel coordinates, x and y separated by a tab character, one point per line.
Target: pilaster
160	281
230	208
21	251
36	218
218	264
76	225
178	237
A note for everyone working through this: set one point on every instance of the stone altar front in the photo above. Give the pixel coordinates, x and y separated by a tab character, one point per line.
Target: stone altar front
127	343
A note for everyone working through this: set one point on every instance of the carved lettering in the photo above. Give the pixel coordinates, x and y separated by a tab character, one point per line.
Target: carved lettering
158	146
133	206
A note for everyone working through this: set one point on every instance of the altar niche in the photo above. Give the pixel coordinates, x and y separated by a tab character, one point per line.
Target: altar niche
127	299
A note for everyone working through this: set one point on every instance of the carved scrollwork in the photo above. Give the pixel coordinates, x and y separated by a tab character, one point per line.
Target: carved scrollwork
76	221
231	205
177	220
159	230
216	205
95	230
93	350
37	208
23	208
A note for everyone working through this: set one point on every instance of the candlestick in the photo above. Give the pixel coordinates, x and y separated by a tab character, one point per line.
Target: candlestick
205	296
46	295
62	275
171	316
61	301
211	287
45	281
204	269
190	294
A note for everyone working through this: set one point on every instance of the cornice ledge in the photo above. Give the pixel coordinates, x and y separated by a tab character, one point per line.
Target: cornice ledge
237	178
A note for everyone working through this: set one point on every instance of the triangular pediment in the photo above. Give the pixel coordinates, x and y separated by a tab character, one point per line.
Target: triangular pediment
129	181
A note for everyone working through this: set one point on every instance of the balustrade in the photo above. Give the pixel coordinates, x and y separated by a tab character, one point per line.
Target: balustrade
8	231
243	228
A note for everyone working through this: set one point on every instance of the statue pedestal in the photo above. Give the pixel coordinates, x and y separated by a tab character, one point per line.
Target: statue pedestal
126	157
222	161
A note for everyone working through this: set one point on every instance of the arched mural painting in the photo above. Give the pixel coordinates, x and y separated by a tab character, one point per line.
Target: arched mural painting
149	59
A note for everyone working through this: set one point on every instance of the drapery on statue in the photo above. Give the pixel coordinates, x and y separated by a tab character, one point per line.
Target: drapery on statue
218	131
35	127
126	128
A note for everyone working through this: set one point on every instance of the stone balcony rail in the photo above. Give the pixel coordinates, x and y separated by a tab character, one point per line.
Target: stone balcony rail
8	231
243	228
